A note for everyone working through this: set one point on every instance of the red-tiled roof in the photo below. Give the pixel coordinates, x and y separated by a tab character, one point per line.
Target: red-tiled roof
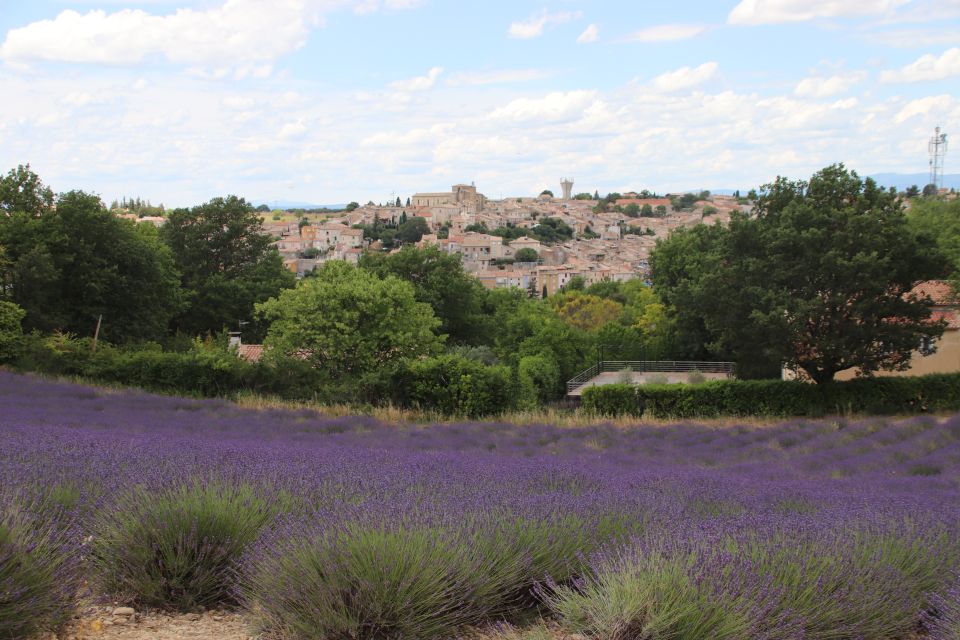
939	290
251	352
952	318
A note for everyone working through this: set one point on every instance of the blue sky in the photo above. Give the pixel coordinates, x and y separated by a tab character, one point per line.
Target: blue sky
337	100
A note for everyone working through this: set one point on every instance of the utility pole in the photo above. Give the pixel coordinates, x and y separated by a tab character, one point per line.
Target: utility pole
96	333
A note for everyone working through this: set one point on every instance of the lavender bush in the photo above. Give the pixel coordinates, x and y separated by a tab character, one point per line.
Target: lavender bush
177	547
349	527
38	576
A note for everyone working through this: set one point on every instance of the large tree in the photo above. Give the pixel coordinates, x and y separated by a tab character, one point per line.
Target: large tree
439	280
348	322
817	277
227	261
78	261
21	190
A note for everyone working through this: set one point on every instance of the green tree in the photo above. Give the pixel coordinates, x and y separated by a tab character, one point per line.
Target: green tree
438	280
661	210
227	262
632	210
587	312
646	211
818	278
79	261
347	322
546	192
413	230
912	191
352	206
22	191
526	254
11	330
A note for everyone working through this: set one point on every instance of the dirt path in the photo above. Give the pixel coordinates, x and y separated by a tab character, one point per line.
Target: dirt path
108	623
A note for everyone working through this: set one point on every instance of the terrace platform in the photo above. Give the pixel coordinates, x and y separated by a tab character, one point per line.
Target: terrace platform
641	371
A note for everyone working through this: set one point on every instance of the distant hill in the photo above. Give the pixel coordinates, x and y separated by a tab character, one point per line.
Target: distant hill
903	180
292	204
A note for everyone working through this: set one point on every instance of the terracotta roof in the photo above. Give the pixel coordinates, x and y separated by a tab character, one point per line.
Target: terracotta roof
939	290
251	352
952	318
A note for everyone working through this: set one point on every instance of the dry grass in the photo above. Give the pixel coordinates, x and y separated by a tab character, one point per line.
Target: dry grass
546	415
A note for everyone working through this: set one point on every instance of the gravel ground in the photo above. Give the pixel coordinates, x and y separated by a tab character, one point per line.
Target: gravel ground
118	623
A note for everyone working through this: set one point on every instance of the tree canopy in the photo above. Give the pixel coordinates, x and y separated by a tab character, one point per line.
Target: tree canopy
817	277
228	263
439	280
21	190
79	261
348	322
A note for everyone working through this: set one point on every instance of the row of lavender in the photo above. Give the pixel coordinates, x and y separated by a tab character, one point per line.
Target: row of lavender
350	528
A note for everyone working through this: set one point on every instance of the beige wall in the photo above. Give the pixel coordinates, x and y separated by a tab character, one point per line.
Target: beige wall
945	360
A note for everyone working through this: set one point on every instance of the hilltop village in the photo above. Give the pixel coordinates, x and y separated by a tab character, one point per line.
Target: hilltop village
534	243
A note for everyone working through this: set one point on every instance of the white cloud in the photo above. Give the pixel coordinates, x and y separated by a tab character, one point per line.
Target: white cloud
823	87
419	83
590	34
292	130
927	68
685	77
554	107
243	34
937	105
534	26
77	99
913	38
497	76
667	33
754	12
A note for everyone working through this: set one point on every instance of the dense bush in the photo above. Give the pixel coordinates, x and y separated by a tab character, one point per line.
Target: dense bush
38	577
880	396
645	596
366	583
11	332
455	386
177	548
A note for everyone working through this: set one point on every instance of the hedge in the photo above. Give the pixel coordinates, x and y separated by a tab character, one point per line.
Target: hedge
777	398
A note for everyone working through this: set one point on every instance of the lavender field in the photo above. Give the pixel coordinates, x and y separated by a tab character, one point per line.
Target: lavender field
349	528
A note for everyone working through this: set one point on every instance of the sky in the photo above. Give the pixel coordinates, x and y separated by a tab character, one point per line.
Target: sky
328	101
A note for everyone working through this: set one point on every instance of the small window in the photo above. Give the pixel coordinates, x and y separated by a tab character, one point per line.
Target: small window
927	346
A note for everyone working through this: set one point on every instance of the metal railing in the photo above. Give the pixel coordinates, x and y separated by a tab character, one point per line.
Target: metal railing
648	366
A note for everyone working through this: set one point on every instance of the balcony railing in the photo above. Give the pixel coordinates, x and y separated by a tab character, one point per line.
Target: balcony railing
648	366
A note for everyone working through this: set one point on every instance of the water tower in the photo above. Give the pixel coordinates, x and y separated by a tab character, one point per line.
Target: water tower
567	185
938	149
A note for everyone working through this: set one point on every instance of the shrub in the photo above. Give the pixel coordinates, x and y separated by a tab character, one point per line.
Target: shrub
361	583
38	578
645	596
943	620
888	395
177	548
11	333
695	377
612	400
455	386
853	584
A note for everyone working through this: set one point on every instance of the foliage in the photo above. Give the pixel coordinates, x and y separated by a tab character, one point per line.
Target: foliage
38	576
69	266
939	219
438	279
411	231
22	191
889	395
177	548
455	386
648	596
11	333
347	322
539	377
817	277
587	312
526	254
227	264
366	583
